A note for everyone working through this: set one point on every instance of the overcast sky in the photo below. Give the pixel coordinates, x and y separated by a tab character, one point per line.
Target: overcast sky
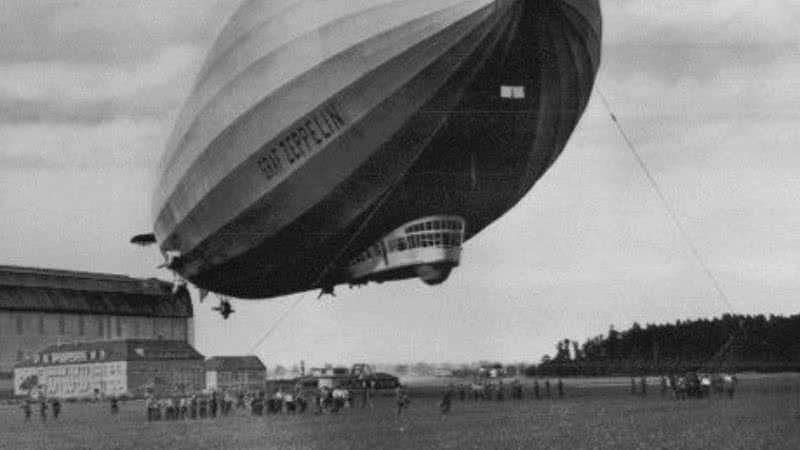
709	92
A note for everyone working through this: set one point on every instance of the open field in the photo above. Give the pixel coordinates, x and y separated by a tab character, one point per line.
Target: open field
764	414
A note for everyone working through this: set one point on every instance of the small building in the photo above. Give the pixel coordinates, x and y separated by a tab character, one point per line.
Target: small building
235	373
112	368
443	372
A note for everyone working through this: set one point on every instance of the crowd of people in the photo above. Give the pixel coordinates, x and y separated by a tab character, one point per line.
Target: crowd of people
294	401
44	404
482	390
326	400
681	386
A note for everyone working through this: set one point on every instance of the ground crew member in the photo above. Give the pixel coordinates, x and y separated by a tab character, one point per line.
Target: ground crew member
316	398
560	388
517	390
401	397
26	408
169	409
547	388
43	408
212	405
148	405
203	407
114	406
729	381
536	392
365	396
444	405
193	407
184	408
56	408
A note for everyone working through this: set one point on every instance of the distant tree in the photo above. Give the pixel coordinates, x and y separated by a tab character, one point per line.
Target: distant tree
577	355
530	371
612	343
279	371
731	341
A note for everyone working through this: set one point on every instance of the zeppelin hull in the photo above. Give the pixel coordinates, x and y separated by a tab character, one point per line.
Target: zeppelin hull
275	176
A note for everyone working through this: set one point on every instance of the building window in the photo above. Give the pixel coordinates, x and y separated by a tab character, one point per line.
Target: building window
81	325
41	324
62	325
19	325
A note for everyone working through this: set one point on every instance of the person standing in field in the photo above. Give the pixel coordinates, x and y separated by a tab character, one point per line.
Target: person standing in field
114	406
193	407
547	388
560	388
56	408
148	406
317	399
444	405
43	408
26	408
212	405
729	383
401	397
365	395
536	393
203	407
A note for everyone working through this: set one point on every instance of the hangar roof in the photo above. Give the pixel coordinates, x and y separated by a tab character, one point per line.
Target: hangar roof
50	290
234	363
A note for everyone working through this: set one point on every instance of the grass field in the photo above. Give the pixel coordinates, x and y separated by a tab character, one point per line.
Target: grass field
594	414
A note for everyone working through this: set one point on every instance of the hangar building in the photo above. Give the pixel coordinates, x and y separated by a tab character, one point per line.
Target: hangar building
42	307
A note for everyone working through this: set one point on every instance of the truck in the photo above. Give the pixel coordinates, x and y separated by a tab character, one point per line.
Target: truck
359	376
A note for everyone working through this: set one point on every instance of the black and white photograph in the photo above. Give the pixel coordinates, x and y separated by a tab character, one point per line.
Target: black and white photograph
399	224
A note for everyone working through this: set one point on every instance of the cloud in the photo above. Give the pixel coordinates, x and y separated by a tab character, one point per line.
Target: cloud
679	39
692	23
83	83
105	31
120	143
67	91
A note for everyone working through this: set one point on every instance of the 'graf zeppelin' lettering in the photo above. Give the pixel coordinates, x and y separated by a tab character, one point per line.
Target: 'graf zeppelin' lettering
301	141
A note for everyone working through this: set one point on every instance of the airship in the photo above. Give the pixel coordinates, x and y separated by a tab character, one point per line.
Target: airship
335	142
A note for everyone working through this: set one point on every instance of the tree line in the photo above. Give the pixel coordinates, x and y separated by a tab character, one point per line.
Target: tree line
727	343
